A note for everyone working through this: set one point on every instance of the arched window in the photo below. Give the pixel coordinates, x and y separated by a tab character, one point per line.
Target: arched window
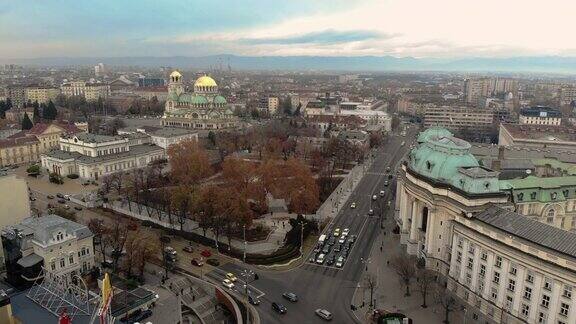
550	215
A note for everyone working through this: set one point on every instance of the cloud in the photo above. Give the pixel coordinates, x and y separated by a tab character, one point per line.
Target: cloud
329	36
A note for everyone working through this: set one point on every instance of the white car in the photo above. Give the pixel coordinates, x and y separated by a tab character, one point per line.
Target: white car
340	262
324	314
320	259
345	232
353	205
228	284
382	193
371	212
374	197
342	239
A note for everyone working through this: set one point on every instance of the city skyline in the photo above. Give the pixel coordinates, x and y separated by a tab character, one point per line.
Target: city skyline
443	29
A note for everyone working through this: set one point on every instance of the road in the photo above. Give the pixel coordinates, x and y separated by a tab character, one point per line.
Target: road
328	287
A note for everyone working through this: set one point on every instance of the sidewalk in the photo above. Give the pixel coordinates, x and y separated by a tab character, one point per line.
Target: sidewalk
389	292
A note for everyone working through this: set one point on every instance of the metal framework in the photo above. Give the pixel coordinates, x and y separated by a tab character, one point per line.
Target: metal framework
57	293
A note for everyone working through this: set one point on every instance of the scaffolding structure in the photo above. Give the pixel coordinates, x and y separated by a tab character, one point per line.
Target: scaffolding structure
58	294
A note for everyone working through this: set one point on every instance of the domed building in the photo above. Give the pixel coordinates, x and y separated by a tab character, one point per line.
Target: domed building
477	232
204	108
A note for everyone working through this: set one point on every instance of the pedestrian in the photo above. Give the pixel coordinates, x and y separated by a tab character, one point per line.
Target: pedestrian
388	262
380	248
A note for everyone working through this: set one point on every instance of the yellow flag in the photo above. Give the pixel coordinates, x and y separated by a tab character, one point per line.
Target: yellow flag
106	288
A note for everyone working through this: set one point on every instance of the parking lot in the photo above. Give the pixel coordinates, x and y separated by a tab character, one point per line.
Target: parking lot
333	249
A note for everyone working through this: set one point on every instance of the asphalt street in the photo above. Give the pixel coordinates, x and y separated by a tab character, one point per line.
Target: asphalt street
320	285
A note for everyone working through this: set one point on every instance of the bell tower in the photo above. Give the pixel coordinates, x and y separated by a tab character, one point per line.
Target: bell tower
175	85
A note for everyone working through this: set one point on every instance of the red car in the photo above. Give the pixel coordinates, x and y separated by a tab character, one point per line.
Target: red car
206	253
197	262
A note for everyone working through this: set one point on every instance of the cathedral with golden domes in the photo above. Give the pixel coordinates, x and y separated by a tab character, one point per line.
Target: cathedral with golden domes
204	108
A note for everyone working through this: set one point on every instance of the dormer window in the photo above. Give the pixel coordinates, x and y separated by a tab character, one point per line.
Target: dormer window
554	195
487	185
428	165
59	236
565	192
520	196
533	195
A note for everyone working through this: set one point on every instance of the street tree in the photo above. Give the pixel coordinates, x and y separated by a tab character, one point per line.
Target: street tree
189	162
425	279
446	301
405	267
26	122
370	282
117	237
100	232
182	202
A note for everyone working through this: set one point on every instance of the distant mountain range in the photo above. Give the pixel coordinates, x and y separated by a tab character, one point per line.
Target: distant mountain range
548	64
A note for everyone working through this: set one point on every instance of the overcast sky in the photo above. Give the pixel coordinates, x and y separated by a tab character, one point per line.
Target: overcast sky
418	28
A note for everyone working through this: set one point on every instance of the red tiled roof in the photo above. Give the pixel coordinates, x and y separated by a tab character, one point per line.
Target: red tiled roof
40	128
11	142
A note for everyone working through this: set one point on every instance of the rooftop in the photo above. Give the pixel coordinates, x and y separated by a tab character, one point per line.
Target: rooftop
536	232
44	227
11	142
541	132
170	132
541	111
95	138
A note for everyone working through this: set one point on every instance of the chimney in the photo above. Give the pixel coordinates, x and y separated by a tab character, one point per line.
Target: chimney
497	164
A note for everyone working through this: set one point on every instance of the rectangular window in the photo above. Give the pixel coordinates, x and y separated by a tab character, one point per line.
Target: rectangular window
530	277
525	310
460	242
547	284
527	293
484	256
494	293
542	318
482	270
470	263
509	302
564	309
62	263
459	256
498	262
471	249
511	285
71	259
567	292
545	301
496	277
513	270
53	265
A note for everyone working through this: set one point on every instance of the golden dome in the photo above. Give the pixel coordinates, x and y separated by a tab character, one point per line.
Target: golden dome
205	81
175	74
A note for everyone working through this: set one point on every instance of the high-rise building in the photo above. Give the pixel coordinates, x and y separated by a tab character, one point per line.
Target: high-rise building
41	94
567	94
99	69
90	91
476	89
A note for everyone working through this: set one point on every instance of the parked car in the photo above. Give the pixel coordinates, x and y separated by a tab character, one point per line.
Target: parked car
342	239
353	205
326	249
188	249
320	259
279	308
61	201
312	257
78	208
206	253
344	254
50	197
330	260
59	195
345	232
323	314
197	262
67	197
228	284
332	241
352	239
338	248
382	193
32	198
253	300
290	296
371	212
337	232
374	197
386	183
213	262
340	262
66	207
230	276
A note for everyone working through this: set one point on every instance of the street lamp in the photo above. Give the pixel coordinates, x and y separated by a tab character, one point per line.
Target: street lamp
366	262
246	274
301	236
245	243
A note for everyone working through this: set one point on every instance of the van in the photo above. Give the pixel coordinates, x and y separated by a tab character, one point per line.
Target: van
322	238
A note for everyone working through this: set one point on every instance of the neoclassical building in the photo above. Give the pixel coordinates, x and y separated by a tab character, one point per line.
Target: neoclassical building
204	109
462	221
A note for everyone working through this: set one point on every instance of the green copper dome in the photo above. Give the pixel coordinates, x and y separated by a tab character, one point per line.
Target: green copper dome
198	100
173	96
219	100
433	132
447	159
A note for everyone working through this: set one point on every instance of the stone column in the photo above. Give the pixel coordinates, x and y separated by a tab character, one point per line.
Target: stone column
405	214
413	240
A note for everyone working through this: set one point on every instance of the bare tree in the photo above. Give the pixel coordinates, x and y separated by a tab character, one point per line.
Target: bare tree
117	236
425	278
405	267
447	301
100	232
370	282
